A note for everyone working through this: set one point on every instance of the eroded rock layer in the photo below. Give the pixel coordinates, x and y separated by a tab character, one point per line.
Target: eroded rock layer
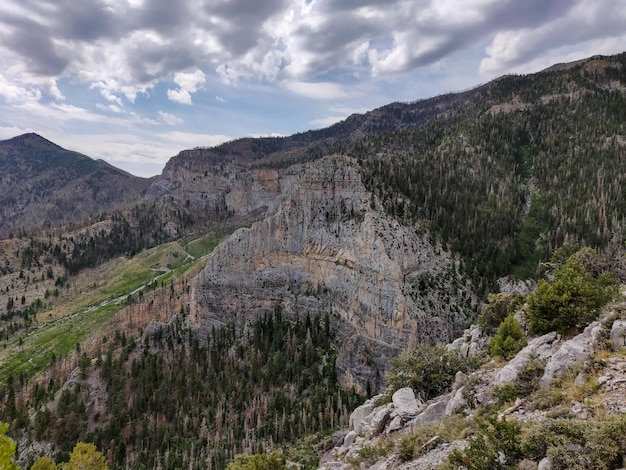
324	247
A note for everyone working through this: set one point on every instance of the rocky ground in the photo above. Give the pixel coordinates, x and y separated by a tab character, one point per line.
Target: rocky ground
582	379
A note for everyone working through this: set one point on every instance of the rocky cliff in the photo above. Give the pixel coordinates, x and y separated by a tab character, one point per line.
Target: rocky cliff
325	247
219	190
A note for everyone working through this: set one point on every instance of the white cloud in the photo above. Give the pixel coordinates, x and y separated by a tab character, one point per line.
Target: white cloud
326	121
318	91
156	53
110	108
586	21
188	83
16	94
10	132
180	96
170	119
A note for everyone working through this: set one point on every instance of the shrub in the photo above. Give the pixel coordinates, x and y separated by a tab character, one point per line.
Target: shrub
7	449
526	383
571	300
407	448
273	461
577	444
509	339
495	444
428	370
494	311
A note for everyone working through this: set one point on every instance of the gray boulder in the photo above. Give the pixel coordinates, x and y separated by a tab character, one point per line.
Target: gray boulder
359	419
618	334
545	464
405	403
456	403
349	439
576	349
541	348
433	412
379	419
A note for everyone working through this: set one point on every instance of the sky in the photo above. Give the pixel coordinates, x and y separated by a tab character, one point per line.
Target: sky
134	82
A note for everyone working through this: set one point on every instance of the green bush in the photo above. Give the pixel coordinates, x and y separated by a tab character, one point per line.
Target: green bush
273	461
496	309
407	448
428	370
509	339
7	449
571	301
494	445
577	444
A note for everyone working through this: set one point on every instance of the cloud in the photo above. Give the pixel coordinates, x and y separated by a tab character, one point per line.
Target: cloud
319	91
159	53
188	83
17	94
584	21
170	119
126	48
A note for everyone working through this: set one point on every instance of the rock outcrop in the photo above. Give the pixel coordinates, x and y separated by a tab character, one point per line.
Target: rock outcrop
221	191
383	426
577	349
324	247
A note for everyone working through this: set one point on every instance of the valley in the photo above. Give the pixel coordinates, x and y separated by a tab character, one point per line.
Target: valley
255	294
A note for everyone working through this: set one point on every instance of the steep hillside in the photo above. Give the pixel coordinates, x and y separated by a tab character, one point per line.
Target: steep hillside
541	161
43	185
537	398
502	174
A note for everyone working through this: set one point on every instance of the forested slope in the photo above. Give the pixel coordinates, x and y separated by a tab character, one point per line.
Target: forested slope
540	163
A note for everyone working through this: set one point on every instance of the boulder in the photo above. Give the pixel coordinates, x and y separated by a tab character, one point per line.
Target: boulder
456	403
395	425
405	403
571	351
618	334
359	419
472	343
379	419
433	412
349	439
540	348
545	464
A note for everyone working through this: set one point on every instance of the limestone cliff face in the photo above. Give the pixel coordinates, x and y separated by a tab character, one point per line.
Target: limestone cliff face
219	189
324	247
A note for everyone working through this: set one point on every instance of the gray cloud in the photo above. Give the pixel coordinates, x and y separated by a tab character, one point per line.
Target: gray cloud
37	48
242	21
85	20
163	16
284	40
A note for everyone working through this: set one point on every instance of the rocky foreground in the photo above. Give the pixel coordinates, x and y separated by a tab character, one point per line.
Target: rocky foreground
579	383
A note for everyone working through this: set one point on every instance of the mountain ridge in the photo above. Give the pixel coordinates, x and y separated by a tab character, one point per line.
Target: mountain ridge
333	229
45	185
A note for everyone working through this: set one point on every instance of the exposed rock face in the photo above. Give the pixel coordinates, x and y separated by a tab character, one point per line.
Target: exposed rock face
578	348
324	248
540	348
618	334
222	190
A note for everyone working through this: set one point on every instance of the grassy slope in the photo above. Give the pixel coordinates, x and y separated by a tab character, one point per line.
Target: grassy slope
98	295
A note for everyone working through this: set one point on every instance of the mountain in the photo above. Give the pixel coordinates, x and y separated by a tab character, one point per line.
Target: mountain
44	185
502	173
326	246
297	267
